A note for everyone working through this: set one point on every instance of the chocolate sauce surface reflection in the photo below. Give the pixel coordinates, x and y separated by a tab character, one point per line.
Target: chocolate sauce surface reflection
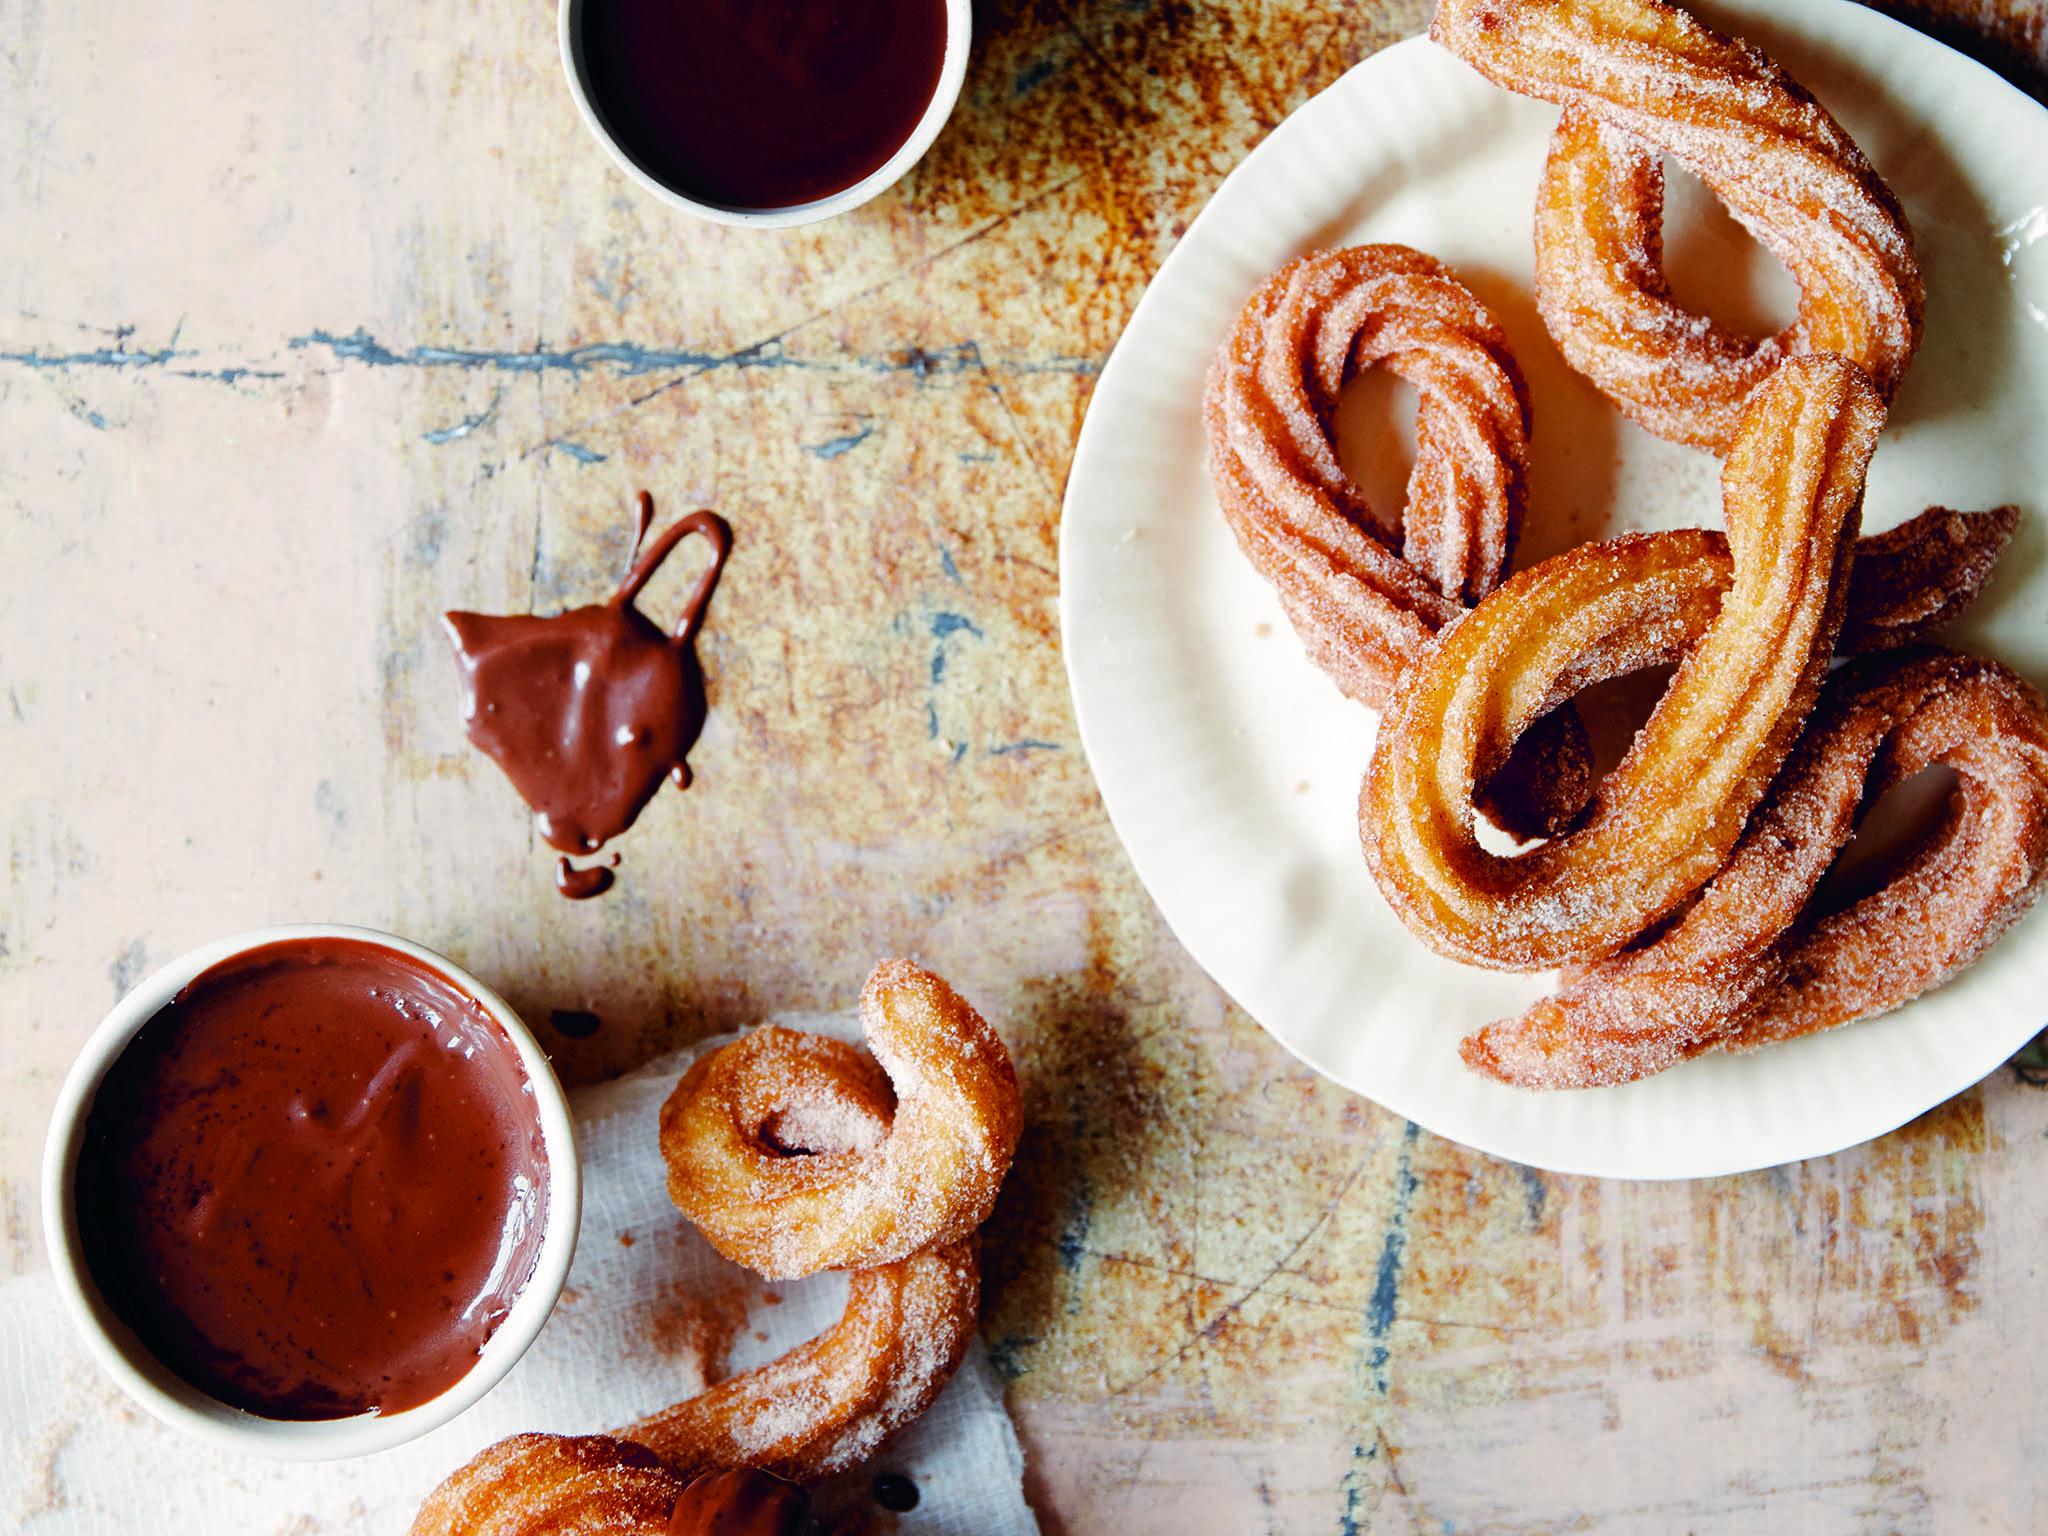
761	103
589	711
314	1183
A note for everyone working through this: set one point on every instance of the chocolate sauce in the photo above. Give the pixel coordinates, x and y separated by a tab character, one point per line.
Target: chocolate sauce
588	711
745	1502
314	1183
582	884
761	103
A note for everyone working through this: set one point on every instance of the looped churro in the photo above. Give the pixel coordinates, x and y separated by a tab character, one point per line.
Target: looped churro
1637	80
1757	959
790	1148
1365	608
1666	819
745	1167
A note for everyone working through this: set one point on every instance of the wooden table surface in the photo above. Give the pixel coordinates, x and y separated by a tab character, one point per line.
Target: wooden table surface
322	319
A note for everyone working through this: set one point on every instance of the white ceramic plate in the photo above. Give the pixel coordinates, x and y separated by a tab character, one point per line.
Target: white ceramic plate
1230	766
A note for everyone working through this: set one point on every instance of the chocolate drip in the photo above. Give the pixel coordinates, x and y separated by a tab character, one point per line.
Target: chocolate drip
589	711
582	884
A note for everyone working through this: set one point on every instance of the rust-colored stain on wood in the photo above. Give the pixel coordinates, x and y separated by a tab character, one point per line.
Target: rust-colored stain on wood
321	321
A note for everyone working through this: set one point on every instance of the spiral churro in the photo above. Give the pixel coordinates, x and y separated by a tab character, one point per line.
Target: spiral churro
1637	80
885	1187
802	1153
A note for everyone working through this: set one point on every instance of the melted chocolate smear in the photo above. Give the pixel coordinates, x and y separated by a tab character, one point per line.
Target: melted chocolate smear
588	711
582	884
896	1493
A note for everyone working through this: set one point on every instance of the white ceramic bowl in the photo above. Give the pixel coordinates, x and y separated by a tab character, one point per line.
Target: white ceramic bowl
184	1406
952	70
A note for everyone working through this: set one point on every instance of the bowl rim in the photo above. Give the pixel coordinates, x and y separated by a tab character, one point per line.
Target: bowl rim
185	1407
952	73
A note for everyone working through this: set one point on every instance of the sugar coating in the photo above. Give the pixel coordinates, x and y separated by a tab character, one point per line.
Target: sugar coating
797	1153
1909	581
828	1404
1637	80
567	1485
1364	587
1367	590
1754	651
1756	959
911	1145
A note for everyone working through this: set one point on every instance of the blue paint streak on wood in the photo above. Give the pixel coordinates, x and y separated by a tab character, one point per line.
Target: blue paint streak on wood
1383	1305
838	445
1036	73
945	626
129	967
577	451
946	564
625	357
1003	1354
229	376
1028	744
1535	1192
1073	1238
99	357
615	357
464	427
1351	1518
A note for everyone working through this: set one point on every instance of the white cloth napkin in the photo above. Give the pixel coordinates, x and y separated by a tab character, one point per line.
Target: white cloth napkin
648	1310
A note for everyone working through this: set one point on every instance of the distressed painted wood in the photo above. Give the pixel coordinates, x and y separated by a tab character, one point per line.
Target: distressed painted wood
317	320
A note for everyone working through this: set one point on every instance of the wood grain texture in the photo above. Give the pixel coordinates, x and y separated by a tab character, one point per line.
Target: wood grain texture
316	321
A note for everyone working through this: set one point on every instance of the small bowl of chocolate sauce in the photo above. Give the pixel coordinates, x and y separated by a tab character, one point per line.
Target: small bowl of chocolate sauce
766	112
310	1191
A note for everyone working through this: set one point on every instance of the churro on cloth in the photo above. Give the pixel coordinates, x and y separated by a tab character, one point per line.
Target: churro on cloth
797	1154
784	1151
1638	80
